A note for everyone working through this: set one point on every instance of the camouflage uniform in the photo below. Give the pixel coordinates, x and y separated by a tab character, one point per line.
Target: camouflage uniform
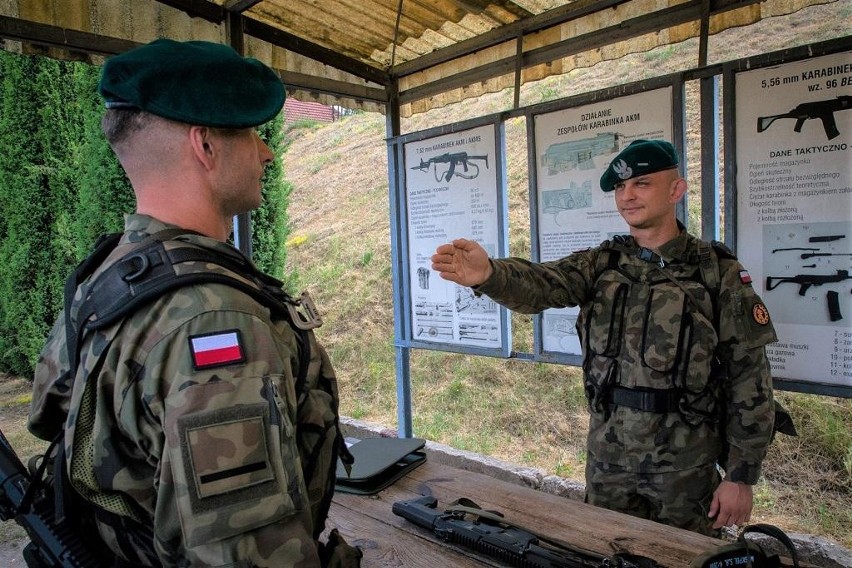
211	453
663	412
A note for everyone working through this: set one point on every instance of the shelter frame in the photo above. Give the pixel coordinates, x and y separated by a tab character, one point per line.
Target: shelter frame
710	194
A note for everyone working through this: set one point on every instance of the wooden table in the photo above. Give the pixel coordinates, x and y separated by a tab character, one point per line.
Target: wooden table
389	540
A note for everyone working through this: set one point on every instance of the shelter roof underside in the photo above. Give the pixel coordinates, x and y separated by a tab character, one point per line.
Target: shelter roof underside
363	53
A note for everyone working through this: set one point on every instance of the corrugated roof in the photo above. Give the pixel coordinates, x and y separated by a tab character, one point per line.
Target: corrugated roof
362	53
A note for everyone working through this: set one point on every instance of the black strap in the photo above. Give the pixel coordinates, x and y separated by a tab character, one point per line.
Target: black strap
777	534
647	399
146	273
105	245
38	477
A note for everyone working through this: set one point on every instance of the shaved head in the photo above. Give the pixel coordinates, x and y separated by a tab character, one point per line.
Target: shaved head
143	142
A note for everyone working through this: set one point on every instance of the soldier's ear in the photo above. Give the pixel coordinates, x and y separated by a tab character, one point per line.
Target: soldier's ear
678	189
200	139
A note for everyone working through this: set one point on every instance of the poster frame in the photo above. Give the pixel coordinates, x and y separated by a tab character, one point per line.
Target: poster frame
675	83
407	339
730	73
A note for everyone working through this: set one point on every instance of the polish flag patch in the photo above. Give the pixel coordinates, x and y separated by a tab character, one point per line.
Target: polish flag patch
216	349
745	277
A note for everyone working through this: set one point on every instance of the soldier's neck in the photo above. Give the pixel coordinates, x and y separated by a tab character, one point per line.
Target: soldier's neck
654	237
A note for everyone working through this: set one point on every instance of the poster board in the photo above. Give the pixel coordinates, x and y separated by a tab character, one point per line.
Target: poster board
793	136
572	148
454	188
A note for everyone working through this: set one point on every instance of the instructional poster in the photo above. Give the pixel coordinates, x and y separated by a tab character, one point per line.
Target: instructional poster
794	209
574	146
451	185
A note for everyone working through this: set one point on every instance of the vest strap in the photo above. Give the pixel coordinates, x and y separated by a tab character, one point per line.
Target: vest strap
646	399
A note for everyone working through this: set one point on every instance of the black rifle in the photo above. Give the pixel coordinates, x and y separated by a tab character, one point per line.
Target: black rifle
826	238
823	110
813	254
453	160
31	504
805	281
491	536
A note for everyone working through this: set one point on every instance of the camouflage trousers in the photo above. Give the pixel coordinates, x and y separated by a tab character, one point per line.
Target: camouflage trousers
678	498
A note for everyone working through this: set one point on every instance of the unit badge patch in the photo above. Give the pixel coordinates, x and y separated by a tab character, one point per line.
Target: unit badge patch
216	349
760	314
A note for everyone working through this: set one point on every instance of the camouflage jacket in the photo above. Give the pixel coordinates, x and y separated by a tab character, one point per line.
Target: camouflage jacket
647	330
185	415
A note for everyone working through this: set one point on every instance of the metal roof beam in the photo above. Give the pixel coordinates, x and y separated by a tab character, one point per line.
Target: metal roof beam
198	9
313	84
634	27
49	36
239	6
324	55
217	14
53	36
499	35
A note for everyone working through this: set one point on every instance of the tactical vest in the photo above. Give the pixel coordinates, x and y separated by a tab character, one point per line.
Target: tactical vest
650	333
157	265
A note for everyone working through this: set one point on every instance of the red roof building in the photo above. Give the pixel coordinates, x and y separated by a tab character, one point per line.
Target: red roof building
297	110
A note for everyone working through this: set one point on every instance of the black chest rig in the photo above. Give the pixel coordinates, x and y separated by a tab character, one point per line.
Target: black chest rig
649	335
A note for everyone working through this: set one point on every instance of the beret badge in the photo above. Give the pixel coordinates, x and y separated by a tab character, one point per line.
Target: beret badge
622	170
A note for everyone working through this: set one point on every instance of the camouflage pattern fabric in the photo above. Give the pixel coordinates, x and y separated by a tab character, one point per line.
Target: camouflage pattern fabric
680	498
641	331
211	452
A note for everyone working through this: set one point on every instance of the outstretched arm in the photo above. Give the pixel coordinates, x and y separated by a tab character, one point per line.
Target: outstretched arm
462	261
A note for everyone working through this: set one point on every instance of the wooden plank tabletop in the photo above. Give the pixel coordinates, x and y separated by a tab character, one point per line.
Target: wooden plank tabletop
390	540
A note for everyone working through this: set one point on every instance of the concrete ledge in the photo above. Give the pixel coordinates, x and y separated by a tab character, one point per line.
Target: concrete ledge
816	551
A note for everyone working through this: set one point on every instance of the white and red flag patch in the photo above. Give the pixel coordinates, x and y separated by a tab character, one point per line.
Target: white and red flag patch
745	277
216	349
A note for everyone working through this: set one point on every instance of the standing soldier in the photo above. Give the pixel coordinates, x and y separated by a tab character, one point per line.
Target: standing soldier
674	360
198	415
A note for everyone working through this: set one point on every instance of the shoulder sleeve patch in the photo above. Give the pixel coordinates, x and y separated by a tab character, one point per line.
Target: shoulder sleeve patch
760	314
216	349
745	277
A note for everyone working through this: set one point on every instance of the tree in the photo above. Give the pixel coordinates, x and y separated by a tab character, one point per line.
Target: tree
270	223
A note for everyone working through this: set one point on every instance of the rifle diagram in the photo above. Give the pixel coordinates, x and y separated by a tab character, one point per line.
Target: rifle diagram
469	167
579	154
806	280
823	110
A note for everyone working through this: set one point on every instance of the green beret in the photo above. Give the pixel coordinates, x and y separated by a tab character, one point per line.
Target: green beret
639	158
196	82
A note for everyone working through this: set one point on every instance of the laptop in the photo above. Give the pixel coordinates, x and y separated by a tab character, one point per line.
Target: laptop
379	462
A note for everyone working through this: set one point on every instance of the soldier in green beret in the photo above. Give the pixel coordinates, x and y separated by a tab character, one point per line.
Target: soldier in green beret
200	427
674	362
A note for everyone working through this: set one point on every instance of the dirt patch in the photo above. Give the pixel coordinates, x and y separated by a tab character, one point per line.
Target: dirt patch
11	553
